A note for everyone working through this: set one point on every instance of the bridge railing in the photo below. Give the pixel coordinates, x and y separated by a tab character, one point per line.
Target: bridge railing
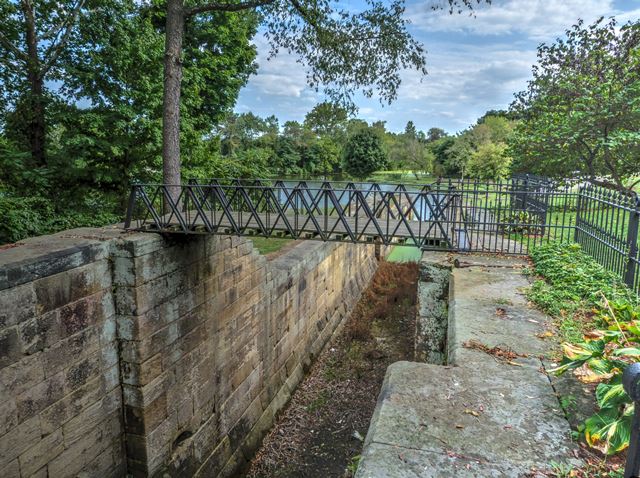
506	217
422	217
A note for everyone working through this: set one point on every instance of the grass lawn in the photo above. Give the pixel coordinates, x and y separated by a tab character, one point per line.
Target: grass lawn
268	245
405	254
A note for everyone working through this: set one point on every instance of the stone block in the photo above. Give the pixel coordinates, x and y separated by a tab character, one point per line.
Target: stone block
41	453
78	453
184	411
91	417
136	245
61	289
142	396
109	354
102	466
241	429
161	436
10	346
213	463
108	330
142	373
22	375
39	397
254	438
124	273
45	256
136	447
73	404
19	440
83	313
140	351
204	398
8	414
17	304
141	421
67	351
81	372
39	332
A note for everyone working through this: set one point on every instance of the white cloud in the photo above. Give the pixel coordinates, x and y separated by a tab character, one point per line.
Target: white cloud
633	15
278	84
281	75
538	19
469	74
474	63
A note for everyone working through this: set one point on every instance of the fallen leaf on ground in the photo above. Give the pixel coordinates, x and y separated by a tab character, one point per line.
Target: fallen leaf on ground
545	334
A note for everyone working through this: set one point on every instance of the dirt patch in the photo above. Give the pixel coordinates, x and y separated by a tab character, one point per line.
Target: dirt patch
320	432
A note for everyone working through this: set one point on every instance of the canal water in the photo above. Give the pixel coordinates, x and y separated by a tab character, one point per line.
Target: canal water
422	210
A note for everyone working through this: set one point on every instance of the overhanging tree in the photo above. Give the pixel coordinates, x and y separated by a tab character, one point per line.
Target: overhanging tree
342	51
581	111
119	71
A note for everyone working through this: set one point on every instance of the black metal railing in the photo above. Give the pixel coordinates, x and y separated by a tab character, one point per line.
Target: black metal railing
507	217
424	218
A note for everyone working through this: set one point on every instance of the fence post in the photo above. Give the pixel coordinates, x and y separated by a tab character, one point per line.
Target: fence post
131	205
632	242
631	383
578	207
526	190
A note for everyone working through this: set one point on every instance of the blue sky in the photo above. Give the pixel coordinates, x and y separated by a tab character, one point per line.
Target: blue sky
475	63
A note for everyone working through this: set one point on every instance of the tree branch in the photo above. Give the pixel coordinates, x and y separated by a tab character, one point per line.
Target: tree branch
5	42
226	7
57	28
633	185
55	50
305	15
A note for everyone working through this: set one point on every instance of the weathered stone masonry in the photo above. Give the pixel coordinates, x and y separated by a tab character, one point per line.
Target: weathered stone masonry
137	354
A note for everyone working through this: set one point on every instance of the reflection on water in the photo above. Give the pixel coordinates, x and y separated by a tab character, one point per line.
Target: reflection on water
421	206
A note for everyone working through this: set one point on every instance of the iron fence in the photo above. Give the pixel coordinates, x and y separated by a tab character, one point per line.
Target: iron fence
506	217
603	221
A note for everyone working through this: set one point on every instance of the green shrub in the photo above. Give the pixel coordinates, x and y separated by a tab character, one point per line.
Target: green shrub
573	280
29	216
575	286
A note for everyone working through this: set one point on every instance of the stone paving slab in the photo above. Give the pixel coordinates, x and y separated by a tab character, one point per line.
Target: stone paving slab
478	416
408	463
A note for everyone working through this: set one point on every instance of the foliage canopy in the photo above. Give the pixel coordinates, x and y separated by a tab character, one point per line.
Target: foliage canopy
581	112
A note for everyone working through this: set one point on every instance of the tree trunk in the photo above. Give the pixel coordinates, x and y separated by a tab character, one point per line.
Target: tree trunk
171	102
36	124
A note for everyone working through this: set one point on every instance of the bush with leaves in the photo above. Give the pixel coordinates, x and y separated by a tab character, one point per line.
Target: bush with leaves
35	215
490	162
576	284
601	358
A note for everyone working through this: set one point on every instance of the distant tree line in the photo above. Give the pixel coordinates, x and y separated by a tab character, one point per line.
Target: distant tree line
330	142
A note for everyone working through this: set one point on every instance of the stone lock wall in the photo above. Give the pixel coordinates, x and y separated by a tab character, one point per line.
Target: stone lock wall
143	355
60	397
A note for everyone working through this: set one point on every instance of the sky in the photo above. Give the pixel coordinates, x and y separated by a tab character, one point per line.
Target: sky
475	63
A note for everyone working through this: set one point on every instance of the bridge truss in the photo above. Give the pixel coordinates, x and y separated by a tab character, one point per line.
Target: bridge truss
504	217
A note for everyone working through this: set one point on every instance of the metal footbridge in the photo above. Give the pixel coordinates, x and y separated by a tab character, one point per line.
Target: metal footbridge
443	215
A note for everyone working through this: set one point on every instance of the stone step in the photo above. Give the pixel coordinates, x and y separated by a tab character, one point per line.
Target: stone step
479	416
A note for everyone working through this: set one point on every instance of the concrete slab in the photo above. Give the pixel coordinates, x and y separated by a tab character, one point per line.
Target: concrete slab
478	416
408	463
